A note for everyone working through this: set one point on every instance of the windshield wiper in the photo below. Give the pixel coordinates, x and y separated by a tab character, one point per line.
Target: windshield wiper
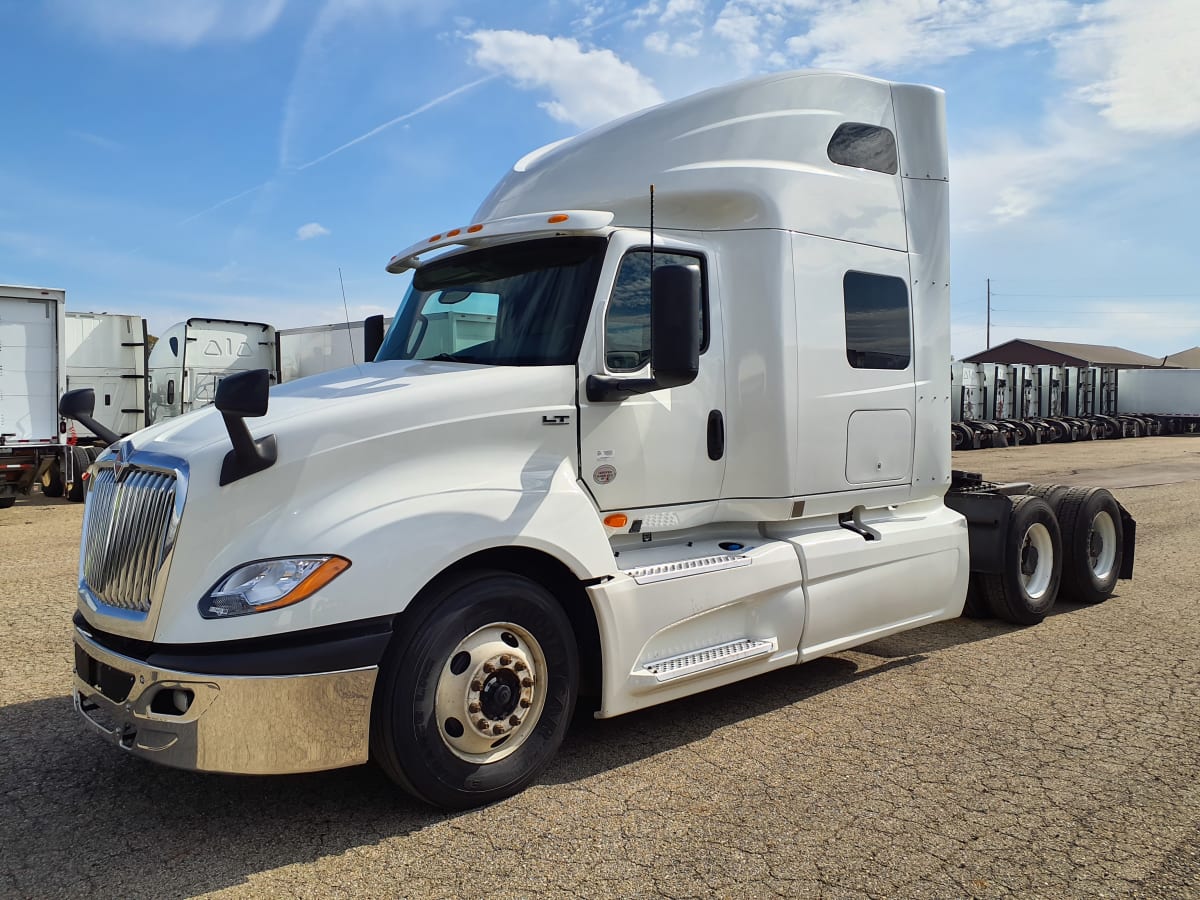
450	357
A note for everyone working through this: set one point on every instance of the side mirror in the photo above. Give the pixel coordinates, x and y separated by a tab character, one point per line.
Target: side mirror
674	338
372	337
242	396
79	405
675	326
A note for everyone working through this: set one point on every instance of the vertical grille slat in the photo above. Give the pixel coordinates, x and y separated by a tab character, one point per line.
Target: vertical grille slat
127	524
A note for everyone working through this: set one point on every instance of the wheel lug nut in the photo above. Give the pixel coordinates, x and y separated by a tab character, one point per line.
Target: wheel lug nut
519	665
497	728
489	667
514	720
473	707
526	682
525	704
505	659
483	724
477	685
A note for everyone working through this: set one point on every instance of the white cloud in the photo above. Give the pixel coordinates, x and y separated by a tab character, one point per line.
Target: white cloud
1131	78
310	231
874	34
587	87
1139	65
661	42
181	24
681	8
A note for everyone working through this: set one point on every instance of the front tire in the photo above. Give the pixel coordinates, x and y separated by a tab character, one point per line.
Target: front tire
476	693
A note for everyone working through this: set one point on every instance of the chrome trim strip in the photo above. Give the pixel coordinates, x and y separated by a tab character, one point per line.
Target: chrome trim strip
252	725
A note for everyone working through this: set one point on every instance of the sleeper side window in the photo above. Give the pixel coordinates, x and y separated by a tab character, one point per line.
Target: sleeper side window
627	321
878	335
864	147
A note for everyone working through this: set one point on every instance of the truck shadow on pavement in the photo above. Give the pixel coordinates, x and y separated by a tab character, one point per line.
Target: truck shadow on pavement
78	815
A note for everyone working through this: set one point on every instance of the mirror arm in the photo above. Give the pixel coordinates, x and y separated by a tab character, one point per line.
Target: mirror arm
606	389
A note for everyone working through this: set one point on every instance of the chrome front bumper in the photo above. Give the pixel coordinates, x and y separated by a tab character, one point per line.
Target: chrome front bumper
254	725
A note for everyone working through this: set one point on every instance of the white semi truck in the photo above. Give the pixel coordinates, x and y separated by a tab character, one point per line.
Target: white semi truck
701	433
190	359
32	377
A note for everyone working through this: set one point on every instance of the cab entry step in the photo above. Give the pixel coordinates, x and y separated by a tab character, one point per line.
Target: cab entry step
709	658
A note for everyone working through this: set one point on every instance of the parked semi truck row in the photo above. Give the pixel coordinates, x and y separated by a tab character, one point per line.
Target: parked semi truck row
698	433
996	405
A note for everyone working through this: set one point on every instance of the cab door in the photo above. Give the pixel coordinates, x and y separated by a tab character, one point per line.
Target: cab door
666	447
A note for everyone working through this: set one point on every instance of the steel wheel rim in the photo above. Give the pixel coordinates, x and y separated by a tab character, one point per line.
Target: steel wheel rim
496	698
1102	545
1037	582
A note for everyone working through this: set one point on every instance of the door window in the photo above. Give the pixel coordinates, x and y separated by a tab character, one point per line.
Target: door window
627	322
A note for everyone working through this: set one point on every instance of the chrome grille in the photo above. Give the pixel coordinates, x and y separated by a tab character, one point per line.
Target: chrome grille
126	533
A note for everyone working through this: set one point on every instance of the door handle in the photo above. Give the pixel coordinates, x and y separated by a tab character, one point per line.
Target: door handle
716	435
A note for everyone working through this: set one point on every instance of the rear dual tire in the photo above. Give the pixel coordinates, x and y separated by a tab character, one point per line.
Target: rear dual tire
1025	591
1093	539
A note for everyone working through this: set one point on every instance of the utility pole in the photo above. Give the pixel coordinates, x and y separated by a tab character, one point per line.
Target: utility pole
989	314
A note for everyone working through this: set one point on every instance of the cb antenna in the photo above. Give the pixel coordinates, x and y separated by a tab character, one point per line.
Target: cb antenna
346	307
652	242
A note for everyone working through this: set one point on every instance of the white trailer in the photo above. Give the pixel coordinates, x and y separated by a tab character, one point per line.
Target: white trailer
32	376
107	352
320	348
192	357
700	435
1170	396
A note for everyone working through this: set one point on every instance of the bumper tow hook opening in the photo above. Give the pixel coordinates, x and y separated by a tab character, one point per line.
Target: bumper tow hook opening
172	701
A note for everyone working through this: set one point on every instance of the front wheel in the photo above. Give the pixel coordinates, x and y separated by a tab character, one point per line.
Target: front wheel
475	695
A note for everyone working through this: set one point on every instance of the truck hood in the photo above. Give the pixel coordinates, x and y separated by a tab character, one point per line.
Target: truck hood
390	464
362	402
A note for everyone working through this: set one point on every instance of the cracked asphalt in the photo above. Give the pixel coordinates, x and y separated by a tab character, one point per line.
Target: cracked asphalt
969	758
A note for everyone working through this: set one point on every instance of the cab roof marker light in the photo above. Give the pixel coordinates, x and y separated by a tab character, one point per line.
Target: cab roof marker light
575	221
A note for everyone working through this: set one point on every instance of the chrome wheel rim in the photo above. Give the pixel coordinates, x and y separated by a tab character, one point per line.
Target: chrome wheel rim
1037	560
1102	545
491	692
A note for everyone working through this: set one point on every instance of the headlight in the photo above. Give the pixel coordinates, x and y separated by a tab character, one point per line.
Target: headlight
270	584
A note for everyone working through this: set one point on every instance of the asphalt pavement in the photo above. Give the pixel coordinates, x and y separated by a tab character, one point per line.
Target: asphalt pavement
969	758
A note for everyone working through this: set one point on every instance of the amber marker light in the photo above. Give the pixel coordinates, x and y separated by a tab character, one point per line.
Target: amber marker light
315	580
474	228
616	520
436	237
455	233
558	217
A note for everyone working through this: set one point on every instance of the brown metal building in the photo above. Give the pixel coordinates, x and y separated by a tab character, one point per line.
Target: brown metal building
1185	359
1061	353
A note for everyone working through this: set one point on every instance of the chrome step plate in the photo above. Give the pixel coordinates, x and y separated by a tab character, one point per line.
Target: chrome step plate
684	567
709	658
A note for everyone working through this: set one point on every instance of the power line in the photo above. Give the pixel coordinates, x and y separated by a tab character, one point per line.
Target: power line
1191	296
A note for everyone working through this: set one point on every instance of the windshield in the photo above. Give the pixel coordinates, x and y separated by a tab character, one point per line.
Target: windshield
523	304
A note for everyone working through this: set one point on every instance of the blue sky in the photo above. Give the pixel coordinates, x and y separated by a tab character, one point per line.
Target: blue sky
226	157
